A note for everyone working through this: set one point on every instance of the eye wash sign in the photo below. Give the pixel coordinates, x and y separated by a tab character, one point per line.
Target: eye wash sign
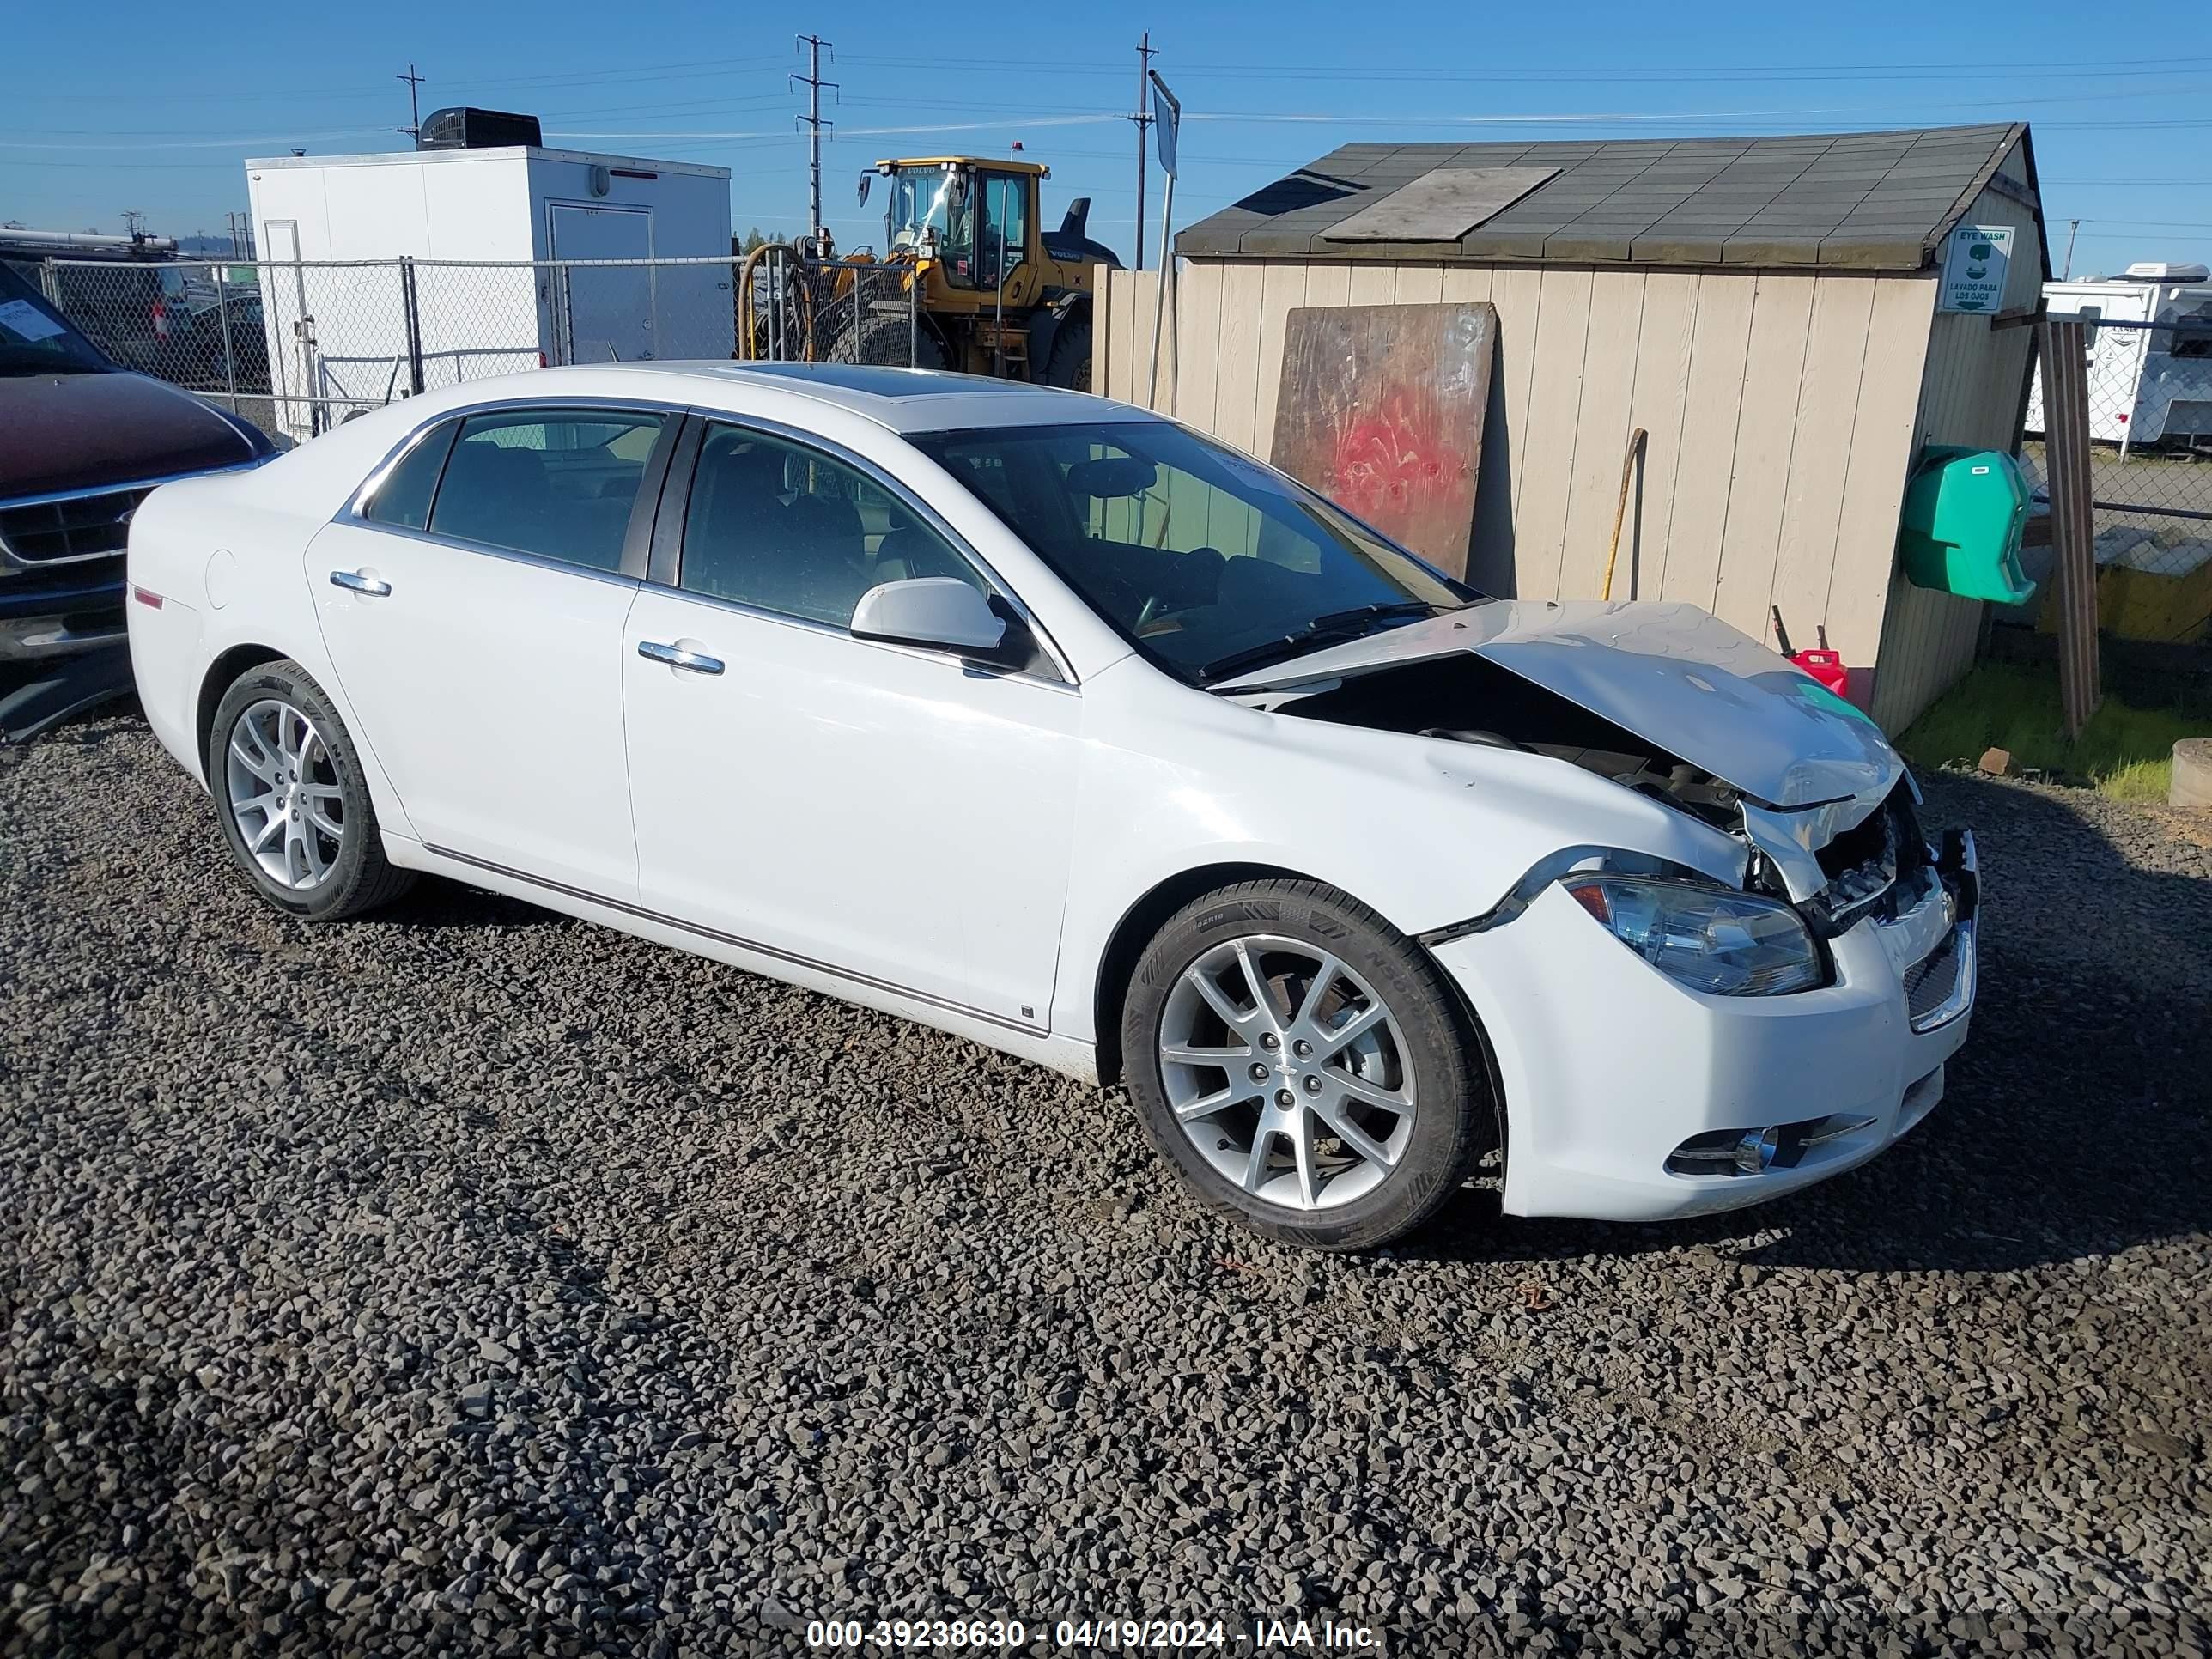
1975	261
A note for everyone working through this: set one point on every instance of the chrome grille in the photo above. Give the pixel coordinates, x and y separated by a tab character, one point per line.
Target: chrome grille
1929	982
87	526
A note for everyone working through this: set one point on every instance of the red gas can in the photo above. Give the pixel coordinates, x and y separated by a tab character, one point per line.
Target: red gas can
1825	666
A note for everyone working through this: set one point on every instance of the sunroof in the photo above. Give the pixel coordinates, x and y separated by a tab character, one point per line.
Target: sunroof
881	381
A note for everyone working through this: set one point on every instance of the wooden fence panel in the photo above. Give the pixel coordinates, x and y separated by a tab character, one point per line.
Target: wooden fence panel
2065	357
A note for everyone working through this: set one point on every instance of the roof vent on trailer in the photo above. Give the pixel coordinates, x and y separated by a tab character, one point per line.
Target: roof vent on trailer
461	128
2161	271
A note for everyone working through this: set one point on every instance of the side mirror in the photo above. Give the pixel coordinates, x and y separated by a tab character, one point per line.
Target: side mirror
940	612
867	182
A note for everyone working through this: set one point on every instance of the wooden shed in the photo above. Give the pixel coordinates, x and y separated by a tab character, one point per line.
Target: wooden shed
1766	308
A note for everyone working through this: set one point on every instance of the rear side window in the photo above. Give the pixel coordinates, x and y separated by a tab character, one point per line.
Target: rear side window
555	482
404	497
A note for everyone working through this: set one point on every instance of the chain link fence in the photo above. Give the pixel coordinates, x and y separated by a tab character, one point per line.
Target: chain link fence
297	347
799	310
2150	476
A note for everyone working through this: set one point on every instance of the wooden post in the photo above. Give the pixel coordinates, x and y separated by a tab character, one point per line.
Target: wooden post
2064	351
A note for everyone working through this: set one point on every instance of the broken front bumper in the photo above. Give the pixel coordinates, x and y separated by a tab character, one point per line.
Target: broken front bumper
1610	1069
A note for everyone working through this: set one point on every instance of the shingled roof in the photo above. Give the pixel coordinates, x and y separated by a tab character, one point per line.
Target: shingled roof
1869	201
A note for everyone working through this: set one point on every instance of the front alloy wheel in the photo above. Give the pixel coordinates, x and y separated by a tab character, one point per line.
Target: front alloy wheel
1304	1064
1288	1072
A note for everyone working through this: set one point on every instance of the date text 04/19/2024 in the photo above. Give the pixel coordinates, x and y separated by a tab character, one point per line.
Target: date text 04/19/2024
1107	1635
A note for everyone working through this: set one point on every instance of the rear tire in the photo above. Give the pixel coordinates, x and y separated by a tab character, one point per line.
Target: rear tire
1270	1114
293	800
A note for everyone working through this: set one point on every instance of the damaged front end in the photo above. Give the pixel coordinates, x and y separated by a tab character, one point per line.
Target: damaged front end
1685	711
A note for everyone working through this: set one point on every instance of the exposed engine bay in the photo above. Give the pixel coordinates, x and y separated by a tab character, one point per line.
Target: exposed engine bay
1464	698
1876	864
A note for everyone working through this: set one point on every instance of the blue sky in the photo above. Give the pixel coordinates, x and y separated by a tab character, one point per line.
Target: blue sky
134	105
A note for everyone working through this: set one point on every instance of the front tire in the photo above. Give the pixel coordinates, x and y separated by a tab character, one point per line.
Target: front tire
888	341
1069	365
293	800
1302	1066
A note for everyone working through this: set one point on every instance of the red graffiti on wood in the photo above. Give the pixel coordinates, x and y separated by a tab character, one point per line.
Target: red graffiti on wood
1388	465
1381	408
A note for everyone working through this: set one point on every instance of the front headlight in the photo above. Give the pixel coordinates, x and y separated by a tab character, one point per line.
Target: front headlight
1722	942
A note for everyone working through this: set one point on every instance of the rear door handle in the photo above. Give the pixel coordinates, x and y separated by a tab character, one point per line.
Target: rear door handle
354	582
675	657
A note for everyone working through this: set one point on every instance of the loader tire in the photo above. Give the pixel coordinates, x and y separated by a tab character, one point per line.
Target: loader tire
885	342
1069	366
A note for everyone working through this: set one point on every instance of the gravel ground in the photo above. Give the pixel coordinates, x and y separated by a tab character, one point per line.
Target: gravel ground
469	1279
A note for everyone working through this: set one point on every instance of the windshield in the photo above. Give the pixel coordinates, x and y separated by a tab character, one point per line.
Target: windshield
33	337
921	200
1208	562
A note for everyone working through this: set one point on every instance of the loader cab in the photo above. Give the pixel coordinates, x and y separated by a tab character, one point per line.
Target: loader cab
998	294
975	217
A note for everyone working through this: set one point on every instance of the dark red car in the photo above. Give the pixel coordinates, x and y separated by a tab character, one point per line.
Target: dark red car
85	441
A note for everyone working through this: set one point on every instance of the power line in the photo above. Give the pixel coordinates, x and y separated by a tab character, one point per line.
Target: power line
1983	72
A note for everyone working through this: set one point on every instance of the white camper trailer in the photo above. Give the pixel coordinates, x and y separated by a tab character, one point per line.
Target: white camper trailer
2147	386
490	238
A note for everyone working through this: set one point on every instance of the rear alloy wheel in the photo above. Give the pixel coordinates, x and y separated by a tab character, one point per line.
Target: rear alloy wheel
294	805
1302	1064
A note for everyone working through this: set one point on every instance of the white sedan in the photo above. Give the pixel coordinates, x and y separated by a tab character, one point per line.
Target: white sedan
1049	722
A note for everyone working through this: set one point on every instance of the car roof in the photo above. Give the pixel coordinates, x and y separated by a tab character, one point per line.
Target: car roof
901	400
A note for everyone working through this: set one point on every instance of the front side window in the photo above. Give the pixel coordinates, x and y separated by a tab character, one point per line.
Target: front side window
785	528
1210	563
555	482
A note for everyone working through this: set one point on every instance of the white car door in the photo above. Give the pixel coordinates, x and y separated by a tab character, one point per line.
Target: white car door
894	814
473	607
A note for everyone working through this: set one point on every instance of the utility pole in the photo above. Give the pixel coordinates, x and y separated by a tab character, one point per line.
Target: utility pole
414	129
134	222
2072	229
818	234
1143	118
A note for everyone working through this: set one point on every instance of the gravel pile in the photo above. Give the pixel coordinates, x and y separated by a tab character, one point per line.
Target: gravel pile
469	1279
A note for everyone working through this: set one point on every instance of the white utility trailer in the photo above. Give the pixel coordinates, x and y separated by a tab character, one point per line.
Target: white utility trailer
2148	385
384	274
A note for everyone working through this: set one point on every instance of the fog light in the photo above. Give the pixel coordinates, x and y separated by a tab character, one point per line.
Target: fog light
1756	1151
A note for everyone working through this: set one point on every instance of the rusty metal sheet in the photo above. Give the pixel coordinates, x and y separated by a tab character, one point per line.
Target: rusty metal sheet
1441	206
1381	411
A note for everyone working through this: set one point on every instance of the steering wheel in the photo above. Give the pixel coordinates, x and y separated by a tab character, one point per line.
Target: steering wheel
1154	609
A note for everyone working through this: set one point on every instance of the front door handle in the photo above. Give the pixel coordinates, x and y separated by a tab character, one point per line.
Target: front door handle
677	657
354	582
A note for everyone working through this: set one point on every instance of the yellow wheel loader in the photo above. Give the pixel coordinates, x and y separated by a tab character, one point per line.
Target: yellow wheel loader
1000	295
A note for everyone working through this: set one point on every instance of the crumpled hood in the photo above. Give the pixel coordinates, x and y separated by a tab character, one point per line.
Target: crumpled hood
1672	673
